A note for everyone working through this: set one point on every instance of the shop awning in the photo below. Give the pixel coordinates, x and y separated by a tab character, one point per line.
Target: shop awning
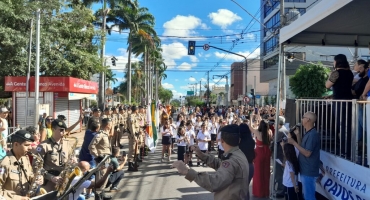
331	23
51	84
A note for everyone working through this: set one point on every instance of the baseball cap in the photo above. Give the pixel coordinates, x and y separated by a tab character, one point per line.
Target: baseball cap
59	123
24	135
4	110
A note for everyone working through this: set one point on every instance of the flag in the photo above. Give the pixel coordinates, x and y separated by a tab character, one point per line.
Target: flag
154	122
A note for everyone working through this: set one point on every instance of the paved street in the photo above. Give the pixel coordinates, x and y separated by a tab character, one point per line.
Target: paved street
156	180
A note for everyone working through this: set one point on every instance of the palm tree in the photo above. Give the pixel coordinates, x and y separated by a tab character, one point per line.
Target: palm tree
110	77
103	24
139	21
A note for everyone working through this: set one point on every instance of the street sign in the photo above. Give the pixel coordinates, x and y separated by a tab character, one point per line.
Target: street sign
258	96
246	99
190	93
206	47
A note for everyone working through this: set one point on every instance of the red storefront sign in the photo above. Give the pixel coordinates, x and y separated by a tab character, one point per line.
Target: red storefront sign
51	84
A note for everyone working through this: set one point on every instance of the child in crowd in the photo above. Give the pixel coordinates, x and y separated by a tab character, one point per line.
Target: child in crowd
190	134
291	170
182	142
203	137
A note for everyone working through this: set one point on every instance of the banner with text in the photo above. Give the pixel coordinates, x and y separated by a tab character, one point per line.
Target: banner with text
341	179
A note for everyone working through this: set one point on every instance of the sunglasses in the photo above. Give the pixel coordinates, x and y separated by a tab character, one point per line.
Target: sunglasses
50	120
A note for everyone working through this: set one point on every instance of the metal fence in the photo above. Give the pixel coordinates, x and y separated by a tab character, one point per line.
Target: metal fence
341	124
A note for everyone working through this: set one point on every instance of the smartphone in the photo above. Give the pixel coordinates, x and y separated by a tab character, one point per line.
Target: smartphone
256	111
123	153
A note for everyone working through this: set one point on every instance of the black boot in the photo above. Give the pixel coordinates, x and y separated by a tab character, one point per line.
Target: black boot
131	167
190	163
139	158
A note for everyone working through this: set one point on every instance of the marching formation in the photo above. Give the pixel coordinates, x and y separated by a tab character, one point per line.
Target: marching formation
42	162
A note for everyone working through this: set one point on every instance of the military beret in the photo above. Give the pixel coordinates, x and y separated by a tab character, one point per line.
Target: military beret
106	109
232	128
62	117
140	107
24	135
59	123
133	108
96	110
120	108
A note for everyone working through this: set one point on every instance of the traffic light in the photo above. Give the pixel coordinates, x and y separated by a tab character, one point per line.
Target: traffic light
115	90
113	61
191	48
252	92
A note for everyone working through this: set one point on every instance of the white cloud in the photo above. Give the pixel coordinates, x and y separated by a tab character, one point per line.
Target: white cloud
185	87
120	79
183	26
233	57
224	18
225	66
167	85
203	80
172	52
191	79
177	94
184	66
219	80
121	60
193	59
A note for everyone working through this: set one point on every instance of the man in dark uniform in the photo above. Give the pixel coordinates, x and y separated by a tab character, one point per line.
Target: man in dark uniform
16	174
230	181
55	152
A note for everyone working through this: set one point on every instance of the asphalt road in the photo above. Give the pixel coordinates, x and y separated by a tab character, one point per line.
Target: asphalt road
156	180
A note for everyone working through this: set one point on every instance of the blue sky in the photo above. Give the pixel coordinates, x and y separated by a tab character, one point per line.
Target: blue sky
204	21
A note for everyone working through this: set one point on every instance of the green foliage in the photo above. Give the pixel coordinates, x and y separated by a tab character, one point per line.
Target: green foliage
67	44
309	80
266	100
164	95
194	101
273	100
93	104
175	103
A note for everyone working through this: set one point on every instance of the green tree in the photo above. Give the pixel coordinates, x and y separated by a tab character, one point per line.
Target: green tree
164	95
67	49
175	103
194	101
309	80
139	21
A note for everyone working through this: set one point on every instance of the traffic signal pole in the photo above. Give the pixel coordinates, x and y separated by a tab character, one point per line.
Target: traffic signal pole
191	51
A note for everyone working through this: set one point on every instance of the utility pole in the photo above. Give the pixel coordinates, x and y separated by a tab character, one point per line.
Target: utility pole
28	73
208	88
200	88
37	70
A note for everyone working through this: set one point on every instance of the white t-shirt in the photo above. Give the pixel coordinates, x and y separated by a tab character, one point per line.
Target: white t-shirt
287	181
182	143
189	134
197	125
166	132
201	136
4	124
79	190
219	142
213	128
174	128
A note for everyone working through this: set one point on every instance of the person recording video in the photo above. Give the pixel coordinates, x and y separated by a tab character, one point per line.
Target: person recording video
117	162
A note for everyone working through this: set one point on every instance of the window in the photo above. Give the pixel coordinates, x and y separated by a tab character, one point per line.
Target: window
271	62
272	23
270	44
269	6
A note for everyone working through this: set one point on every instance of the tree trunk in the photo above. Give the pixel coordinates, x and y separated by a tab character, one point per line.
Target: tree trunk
129	73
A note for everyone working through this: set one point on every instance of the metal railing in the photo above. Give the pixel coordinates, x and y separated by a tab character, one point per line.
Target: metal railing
342	129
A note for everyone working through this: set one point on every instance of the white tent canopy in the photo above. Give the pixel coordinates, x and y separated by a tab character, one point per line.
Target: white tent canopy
331	23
